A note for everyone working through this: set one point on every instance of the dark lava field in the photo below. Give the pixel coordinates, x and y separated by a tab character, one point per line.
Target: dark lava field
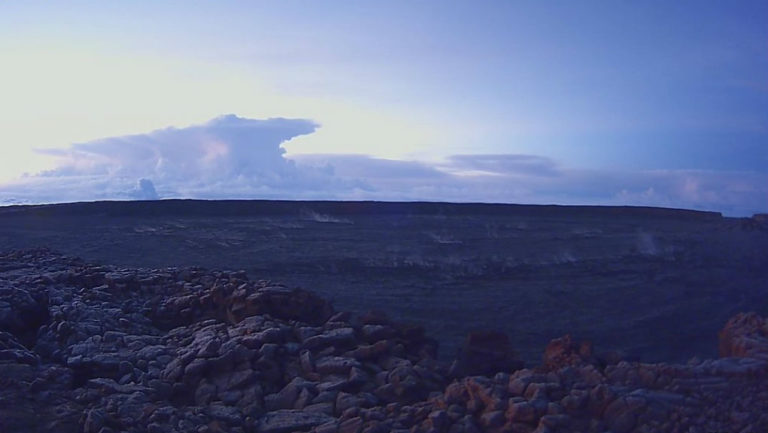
656	284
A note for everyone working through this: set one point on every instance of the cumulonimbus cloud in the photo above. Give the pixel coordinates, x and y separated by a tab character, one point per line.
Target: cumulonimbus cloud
229	156
224	148
236	158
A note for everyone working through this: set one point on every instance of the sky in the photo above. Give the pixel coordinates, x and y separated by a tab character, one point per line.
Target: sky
651	103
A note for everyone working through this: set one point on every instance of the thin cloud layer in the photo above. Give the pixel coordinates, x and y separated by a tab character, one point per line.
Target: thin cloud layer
508	165
539	180
236	158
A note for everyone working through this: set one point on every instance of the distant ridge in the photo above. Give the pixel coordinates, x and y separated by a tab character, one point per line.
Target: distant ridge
345	208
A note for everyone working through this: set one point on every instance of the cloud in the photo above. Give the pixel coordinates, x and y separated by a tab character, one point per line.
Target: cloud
508	165
225	147
227	157
236	158
539	180
363	166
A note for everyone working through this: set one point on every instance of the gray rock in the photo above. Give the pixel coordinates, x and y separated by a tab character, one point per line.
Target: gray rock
204	393
285	421
210	349
230	398
151	352
335	365
333	385
305	398
173	370
94	421
230	415
352	425
158	428
373	333
439	419
19	356
109	386
325	396
329	427
307	361
521	412
325	407
345	401
240	378
491	420
334	337
196	368
305	332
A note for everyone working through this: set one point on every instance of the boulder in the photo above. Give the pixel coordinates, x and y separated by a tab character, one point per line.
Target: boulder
562	352
744	335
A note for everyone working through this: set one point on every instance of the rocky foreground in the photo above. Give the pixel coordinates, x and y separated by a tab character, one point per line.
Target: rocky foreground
96	349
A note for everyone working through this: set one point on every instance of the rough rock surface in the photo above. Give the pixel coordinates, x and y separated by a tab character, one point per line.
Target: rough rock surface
96	349
745	335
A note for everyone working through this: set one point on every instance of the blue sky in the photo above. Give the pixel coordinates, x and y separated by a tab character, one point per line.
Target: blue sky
668	100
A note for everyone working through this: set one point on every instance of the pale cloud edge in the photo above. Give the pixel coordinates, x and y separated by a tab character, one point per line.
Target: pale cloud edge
231	157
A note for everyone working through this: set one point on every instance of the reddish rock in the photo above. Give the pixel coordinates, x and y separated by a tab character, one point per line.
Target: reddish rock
521	412
620	416
745	335
456	392
120	370
562	352
439	420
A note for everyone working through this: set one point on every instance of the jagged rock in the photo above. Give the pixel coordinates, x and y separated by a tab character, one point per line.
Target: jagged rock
281	303
321	407
286	398
352	425
373	351
95	420
335	337
335	365
11	350
562	352
521	412
228	414
745	335
194	350
284	421
109	386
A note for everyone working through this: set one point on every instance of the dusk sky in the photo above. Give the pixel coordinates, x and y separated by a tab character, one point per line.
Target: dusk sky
624	103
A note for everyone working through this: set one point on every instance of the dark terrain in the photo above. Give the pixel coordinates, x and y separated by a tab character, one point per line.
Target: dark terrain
655	283
88	348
